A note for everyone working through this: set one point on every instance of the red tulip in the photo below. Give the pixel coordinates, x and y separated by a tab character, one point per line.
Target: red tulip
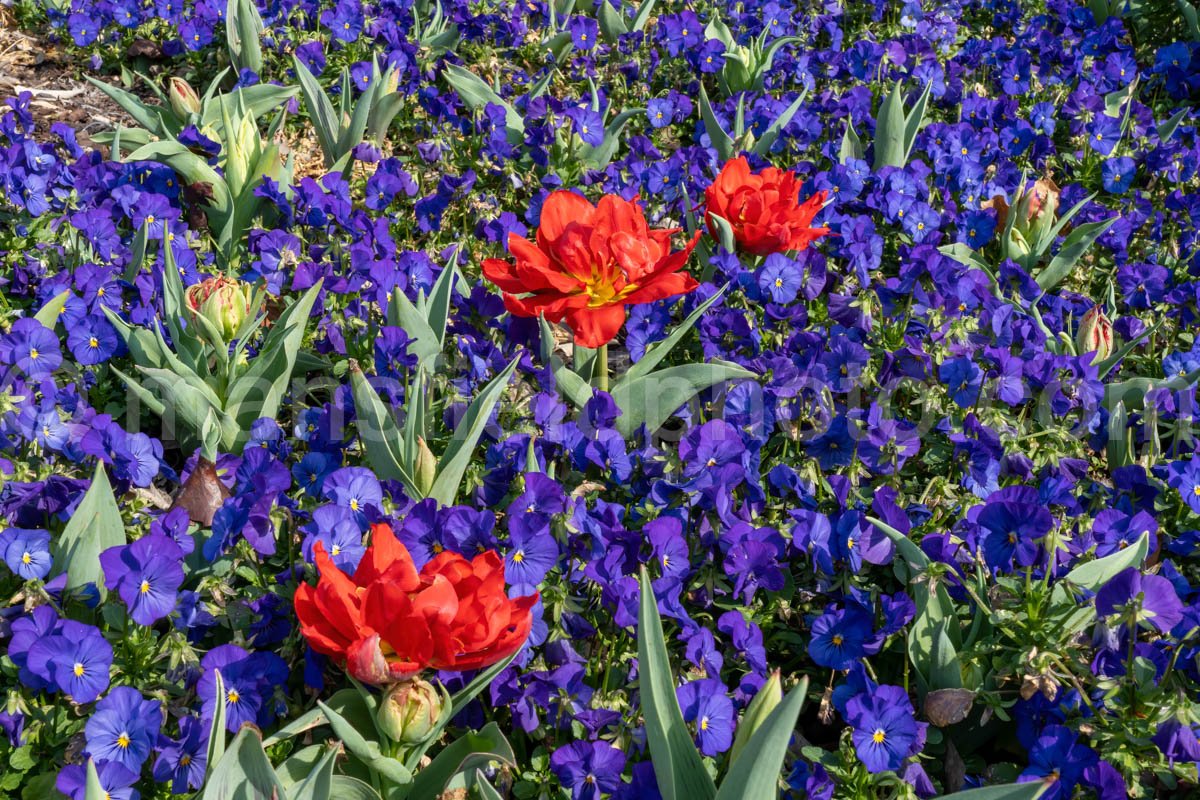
763	208
390	622
590	262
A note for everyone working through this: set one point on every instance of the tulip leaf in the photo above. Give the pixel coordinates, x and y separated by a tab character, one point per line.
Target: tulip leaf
612	22
325	121
175	308
1011	791
890	130
243	35
724	232
318	783
755	776
1119	435
914	556
366	751
93	789
48	314
852	146
424	342
298	766
721	141
95	526
1074	246
254	101
194	169
346	788
141	394
1048	235
642	17
678	768
600	156
347	702
475	92
660	350
437	306
486	790
1167	129
378	432
650	400
1094	574
243	772
944	669
470	751
144	115
258	391
763	145
216	728
765	700
454	460
912	122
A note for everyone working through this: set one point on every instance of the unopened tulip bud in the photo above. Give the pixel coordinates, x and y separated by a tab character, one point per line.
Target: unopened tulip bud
426	467
409	711
1042	210
1095	335
1017	247
224	302
183	98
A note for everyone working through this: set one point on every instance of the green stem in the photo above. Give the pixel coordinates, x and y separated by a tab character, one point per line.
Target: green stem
602	368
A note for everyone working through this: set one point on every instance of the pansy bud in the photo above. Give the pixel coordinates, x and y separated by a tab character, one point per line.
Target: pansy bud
426	467
409	711
183	98
1095	335
223	302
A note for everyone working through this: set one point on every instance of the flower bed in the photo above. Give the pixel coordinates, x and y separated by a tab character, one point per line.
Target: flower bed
438	400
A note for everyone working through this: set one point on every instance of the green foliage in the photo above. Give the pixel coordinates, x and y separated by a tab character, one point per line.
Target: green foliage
340	129
95	526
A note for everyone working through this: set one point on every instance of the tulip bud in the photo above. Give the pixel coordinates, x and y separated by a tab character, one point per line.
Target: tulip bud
183	98
1017	247
426	467
1095	335
409	711
241	148
740	68
223	302
1042	209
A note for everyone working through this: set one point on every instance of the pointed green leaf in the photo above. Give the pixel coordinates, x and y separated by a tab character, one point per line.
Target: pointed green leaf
755	775
95	526
377	429
325	121
612	22
678	768
913	120
722	142
763	145
468	752
366	751
424	342
1167	129
651	399
244	772
852	146
660	350
477	94
1074	246
890	130
318	785
216	728
1012	791
642	17
48	314
453	463
1094	574
93	789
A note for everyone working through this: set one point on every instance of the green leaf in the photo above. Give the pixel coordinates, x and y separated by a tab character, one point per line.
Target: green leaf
912	122
724	232
722	142
890	130
765	701
1074	246
477	94
612	22
1094	574
48	314
243	32
600	156
256	101
454	460
144	115
678	768
296	768
93	789
755	775
347	702
258	391
1167	129
944	669
660	350
1118	448
377	429
910	550
852	146
325	121
424	342
763	145
437	308
366	751
1107	365
642	17
486	790
651	399
467	753
95	526
216	728
319	783
244	772
1011	791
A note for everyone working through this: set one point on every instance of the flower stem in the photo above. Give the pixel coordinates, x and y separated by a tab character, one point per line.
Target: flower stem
602	368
